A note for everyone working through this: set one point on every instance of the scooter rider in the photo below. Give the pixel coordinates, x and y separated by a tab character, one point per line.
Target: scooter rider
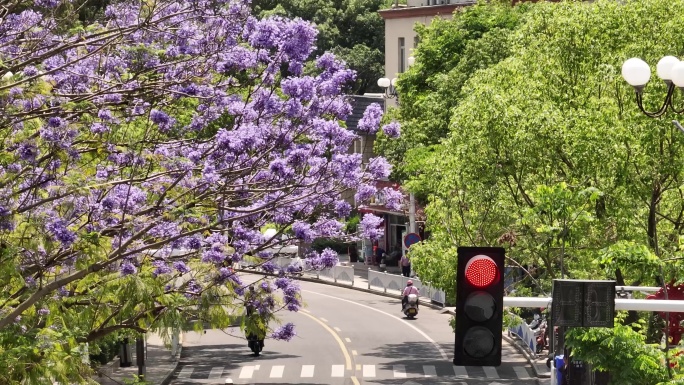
409	289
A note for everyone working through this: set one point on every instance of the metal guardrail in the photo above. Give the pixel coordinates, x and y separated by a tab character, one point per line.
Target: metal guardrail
386	281
379	281
526	335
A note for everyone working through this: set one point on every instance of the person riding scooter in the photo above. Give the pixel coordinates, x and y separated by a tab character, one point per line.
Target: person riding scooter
409	289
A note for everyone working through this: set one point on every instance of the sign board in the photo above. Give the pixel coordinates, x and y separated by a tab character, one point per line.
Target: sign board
583	303
410	239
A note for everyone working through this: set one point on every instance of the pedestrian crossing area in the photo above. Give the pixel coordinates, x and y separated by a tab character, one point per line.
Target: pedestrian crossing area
249	372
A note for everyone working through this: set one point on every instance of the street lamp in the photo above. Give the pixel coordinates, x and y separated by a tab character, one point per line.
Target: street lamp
389	86
670	69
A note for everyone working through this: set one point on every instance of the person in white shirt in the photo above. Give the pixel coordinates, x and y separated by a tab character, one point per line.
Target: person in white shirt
409	289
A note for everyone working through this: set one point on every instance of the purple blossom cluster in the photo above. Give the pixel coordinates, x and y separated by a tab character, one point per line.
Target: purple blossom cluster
370	226
284	333
188	129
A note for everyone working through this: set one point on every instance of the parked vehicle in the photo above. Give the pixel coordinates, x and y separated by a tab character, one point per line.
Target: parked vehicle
541	334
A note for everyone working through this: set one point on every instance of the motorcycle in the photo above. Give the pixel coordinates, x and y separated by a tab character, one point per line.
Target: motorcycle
541	334
255	344
411	306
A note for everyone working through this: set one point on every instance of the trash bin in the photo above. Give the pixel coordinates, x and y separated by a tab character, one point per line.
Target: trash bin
559	365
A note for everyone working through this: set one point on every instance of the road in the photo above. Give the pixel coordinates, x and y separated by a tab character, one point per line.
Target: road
344	337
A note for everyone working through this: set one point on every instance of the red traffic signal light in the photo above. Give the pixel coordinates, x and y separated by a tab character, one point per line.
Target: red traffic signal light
481	271
479	306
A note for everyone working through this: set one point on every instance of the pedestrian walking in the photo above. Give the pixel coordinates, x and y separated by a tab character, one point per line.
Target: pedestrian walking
405	263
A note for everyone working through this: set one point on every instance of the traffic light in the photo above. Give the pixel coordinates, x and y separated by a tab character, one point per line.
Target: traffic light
479	306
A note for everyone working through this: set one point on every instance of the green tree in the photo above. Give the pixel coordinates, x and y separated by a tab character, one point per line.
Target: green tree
545	152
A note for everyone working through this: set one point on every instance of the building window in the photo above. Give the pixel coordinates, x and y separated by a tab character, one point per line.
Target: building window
416	40
402	51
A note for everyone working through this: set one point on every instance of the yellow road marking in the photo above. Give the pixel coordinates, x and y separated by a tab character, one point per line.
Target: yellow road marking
347	358
355	381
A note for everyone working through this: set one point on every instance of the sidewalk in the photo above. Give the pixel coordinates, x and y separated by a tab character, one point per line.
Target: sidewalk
160	364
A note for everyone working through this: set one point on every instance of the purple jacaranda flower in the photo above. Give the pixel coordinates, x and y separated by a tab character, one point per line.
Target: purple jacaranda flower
370	121
213	256
127	268
160	268
379	167
162	120
43	311
99	128
394	199
16	91
30	71
47	3
303	231
58	229
365	192
393	129
30	281
342	209
181	267
27	151
105	115
193	243
55	122
370	227
328	258
269	267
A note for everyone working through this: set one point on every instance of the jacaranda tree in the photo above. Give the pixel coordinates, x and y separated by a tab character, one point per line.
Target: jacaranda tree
143	155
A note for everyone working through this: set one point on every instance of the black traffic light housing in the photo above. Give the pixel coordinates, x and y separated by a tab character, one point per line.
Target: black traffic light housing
479	306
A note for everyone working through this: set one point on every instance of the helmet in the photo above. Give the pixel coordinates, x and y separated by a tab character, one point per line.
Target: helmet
409	283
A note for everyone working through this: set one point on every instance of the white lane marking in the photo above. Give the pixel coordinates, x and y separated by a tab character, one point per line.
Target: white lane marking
460	371
337	329
337	371
422	333
399	371
369	370
323	319
430	370
355	353
307	371
521	372
247	372
490	372
216	372
186	372
347	339
277	371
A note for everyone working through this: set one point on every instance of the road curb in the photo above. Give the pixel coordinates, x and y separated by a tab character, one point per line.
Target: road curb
167	378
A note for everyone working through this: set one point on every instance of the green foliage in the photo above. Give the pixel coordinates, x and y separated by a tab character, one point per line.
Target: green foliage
518	130
620	351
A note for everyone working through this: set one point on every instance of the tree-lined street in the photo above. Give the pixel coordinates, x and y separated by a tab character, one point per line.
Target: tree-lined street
345	337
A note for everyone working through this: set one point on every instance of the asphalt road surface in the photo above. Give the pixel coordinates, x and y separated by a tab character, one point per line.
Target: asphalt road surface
345	337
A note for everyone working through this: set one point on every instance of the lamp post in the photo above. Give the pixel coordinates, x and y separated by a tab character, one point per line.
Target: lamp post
670	69
390	85
637	73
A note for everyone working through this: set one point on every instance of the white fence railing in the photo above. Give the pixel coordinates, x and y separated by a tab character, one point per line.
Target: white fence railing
386	281
379	281
338	273
526	335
